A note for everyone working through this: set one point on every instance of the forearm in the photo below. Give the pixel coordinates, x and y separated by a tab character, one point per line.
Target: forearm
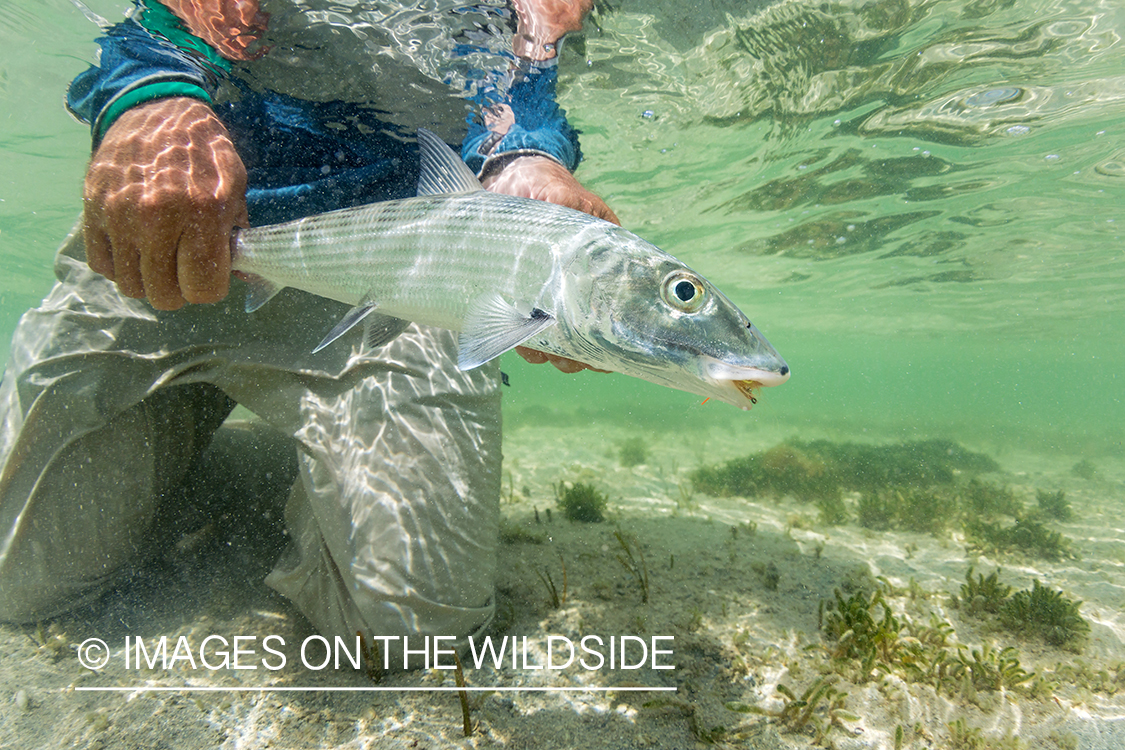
542	23
231	27
523	119
155	54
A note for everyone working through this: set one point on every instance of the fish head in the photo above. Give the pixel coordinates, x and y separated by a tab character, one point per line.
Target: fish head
641	312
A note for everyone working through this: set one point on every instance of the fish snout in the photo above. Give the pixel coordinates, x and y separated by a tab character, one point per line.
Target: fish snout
770	378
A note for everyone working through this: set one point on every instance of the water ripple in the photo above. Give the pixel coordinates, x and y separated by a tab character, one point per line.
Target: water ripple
961	150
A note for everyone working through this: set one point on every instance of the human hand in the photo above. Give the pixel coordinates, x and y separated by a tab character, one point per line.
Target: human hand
545	179
162	194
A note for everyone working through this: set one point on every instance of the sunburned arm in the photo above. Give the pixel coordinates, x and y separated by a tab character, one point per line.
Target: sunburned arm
542	23
166	186
230	26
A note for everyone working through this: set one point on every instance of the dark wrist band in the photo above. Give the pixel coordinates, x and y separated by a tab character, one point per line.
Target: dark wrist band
141	95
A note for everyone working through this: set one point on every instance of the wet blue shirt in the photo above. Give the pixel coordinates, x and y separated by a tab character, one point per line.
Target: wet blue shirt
326	118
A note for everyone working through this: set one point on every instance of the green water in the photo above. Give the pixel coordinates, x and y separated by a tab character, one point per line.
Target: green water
919	203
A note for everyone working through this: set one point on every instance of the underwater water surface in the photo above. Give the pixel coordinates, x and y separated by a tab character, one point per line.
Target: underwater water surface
918	202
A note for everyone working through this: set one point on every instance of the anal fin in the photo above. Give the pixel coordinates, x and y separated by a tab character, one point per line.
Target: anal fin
382	329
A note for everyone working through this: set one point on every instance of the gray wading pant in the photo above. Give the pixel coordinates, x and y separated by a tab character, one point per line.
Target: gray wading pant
106	402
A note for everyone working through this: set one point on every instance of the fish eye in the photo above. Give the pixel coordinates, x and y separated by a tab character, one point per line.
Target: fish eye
683	291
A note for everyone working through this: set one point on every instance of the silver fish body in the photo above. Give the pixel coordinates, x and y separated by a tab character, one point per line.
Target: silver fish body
507	271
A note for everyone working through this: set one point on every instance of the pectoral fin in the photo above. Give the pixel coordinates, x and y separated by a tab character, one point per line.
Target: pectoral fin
493	326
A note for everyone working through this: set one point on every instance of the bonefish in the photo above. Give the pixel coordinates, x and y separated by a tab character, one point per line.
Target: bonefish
506	271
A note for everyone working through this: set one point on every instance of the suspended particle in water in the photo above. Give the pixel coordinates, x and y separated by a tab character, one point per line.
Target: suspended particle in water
1018	130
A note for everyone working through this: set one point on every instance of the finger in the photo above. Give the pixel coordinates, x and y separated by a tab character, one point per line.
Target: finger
127	270
203	263
567	192
570	366
563	364
159	273
98	254
602	211
159	230
531	355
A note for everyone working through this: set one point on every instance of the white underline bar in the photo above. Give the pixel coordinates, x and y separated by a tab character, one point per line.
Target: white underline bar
373	689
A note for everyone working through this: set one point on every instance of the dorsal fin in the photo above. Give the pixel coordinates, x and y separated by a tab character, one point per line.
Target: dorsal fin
443	172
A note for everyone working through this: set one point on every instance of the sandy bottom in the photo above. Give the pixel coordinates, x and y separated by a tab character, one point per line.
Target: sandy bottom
737	583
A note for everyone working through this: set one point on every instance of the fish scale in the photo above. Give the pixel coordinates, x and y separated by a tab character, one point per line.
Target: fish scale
416	251
504	271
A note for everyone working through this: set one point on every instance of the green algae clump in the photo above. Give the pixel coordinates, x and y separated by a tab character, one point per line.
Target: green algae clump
1045	612
1027	536
1054	505
983	594
632	452
822	469
583	502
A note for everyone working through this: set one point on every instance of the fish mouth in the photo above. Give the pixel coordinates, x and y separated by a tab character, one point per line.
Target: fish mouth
764	378
745	381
